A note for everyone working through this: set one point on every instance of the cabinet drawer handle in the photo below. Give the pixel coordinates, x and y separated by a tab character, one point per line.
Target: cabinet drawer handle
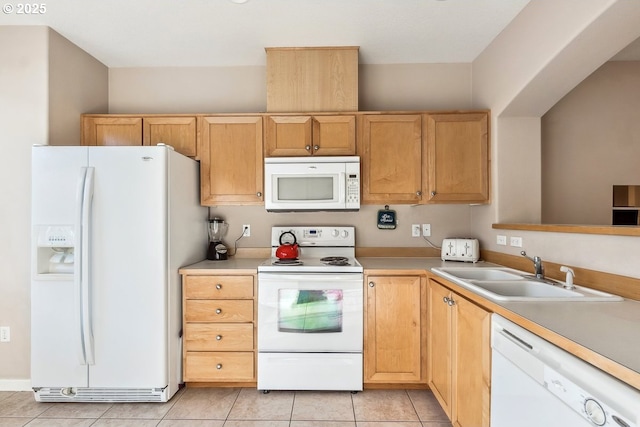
218	337
218	310
371	284
219	366
316	147
218	286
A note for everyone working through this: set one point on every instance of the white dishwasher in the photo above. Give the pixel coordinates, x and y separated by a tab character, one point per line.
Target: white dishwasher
534	383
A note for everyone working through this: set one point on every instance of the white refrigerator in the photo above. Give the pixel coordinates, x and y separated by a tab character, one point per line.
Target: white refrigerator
111	226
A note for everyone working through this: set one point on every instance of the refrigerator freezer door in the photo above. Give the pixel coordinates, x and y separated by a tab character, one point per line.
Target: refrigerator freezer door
128	267
56	336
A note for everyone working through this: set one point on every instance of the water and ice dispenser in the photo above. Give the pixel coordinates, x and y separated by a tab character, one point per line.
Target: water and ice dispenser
54	250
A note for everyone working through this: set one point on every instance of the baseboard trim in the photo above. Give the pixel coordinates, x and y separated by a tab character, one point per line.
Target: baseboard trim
15	385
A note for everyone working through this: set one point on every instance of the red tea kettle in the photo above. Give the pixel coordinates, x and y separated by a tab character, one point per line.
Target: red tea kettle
287	250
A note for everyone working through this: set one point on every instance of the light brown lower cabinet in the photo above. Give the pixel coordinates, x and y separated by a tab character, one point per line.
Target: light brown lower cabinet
219	328
459	356
395	328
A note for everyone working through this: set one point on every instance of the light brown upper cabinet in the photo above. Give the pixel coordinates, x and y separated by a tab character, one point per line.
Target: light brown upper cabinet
111	130
231	161
390	150
303	79
457	147
178	132
310	135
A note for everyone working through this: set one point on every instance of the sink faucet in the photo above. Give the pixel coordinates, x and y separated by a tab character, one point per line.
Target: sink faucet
537	265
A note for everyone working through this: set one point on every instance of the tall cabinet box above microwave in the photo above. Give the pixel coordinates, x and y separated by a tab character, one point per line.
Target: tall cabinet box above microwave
312	184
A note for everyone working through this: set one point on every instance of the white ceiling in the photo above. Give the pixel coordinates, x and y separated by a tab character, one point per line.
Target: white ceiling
163	33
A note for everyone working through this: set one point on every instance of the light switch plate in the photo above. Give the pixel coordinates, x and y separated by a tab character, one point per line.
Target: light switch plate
501	239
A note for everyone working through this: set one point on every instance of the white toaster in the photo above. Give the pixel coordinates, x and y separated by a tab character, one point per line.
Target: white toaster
460	250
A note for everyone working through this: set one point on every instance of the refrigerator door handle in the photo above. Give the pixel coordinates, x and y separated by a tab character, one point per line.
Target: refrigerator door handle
87	202
77	269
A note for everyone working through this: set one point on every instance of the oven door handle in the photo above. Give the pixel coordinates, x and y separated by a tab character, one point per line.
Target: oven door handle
309	277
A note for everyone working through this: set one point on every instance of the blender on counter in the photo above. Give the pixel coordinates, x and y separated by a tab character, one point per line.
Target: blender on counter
217	230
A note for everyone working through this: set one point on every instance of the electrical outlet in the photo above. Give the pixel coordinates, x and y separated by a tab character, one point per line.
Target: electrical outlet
426	230
501	239
516	241
415	230
5	334
246	230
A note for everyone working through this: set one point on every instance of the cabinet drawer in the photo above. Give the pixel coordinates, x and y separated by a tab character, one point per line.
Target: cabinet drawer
216	366
210	287
218	336
219	311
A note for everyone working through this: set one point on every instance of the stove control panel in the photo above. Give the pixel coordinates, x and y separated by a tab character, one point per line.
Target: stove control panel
329	236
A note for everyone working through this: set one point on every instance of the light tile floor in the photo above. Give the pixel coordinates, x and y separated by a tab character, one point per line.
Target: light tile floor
235	407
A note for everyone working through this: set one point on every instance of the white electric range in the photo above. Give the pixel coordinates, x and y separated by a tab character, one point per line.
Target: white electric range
310	312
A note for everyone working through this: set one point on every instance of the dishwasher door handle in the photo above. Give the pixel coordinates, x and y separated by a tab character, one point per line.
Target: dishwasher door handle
516	340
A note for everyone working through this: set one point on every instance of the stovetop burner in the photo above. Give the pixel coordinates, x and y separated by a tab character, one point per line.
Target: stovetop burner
287	261
335	260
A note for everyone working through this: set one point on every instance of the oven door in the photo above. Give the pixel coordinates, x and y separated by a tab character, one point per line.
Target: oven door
314	312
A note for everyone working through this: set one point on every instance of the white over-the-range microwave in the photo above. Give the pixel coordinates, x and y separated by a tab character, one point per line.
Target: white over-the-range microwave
312	184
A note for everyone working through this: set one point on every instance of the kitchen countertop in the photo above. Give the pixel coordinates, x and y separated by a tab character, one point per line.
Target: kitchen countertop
229	266
606	334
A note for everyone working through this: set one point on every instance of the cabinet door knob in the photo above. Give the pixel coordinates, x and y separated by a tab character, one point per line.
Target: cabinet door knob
259	194
418	193
218	337
218	286
445	300
308	148
371	284
433	193
451	302
316	147
219	366
218	310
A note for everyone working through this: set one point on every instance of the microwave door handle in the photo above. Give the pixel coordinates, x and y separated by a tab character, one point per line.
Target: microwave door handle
342	190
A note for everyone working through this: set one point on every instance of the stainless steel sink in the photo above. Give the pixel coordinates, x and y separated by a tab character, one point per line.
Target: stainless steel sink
482	273
508	285
527	290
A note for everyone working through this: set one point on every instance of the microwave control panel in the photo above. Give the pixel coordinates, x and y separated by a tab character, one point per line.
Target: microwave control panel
353	185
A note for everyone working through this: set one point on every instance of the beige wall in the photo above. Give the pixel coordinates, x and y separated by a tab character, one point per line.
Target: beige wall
23	122
43	79
244	90
78	83
590	142
549	48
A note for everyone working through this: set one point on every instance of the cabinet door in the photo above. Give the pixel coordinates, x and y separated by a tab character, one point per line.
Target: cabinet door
334	135
395	317
472	364
178	132
439	344
458	157
111	131
231	161
390	149
288	136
